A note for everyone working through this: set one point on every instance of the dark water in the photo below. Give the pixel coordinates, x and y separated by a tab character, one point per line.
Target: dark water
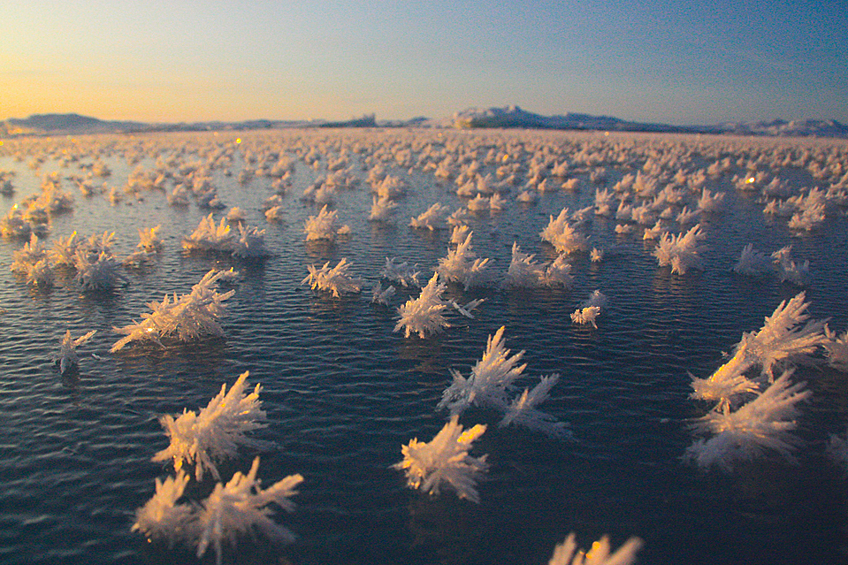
343	392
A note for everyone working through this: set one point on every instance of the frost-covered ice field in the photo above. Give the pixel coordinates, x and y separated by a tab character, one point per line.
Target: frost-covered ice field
664	407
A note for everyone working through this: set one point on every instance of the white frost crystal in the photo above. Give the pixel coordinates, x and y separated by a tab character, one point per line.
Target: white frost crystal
567	553
445	459
240	506
216	432
186	318
161	517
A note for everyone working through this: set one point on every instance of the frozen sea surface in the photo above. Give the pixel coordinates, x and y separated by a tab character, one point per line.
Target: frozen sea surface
343	392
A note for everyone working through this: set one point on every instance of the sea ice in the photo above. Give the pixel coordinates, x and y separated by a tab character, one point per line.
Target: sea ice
67	358
336	280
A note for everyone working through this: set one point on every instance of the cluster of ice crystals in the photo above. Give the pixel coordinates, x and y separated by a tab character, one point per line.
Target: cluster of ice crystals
563	236
524	272
216	431
336	280
97	272
836	349
682	251
424	315
763	424
462	265
752	262
67	358
787	337
241	506
209	237
401	273
445	460
188	317
324	226
380	295
490	385
162	518
432	219
590	309
788	269
567	552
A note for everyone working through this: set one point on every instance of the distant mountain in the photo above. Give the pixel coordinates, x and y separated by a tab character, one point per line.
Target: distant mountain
515	117
71	123
506	117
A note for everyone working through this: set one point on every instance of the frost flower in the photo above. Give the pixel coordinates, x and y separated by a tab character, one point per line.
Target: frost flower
240	506
445	459
216	432
566	553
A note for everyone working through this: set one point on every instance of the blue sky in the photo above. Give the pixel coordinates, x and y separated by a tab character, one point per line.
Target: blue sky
672	62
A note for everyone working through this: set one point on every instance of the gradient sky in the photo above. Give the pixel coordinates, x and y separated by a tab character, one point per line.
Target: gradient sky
676	62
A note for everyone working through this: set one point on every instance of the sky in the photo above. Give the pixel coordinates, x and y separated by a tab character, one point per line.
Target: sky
675	62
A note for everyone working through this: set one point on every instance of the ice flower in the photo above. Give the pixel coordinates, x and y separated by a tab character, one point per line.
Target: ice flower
185	318
563	236
381	209
462	265
788	269
336	280
324	226
836	349
445	459
761	425
567	553
97	271
149	241
240	507
522	410
787	336
523	272
162	517
67	358
381	296
250	243
424	315
432	219
752	262
209	237
586	315
215	432
401	273
681	251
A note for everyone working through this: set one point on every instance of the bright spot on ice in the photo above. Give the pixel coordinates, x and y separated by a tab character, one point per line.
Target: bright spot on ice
238	140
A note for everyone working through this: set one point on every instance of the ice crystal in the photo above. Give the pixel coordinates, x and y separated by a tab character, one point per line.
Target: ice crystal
522	410
752	262
67	358
763	424
490	384
381	296
401	273
836	349
462	265
209	237
788	269
336	280
381	209
445	459
250	243
216	431
161	517
787	336
586	315
185	318
241	506
324	226
563	236
681	251
149	241
432	219
98	271
567	553
424	315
